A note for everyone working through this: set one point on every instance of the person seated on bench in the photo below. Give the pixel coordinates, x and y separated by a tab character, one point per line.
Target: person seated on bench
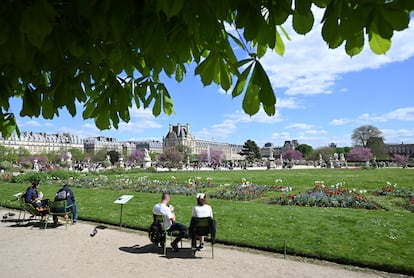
202	210
34	197
169	219
65	193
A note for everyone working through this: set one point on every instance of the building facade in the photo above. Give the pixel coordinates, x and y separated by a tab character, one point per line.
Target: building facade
277	151
41	142
401	149
95	144
153	146
181	135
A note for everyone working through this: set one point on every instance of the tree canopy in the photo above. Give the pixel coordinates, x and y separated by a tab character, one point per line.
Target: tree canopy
362	134
110	56
250	151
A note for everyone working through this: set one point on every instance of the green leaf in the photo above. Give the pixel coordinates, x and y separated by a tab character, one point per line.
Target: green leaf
280	45
354	45
302	23
237	41
266	93
225	77
156	109
378	44
238	89
251	102
208	69
398	20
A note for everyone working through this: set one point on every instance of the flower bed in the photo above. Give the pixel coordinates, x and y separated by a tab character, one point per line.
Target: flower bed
247	191
327	196
395	191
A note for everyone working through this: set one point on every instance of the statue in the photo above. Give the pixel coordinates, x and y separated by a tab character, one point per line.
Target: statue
341	157
69	160
335	156
35	165
147	159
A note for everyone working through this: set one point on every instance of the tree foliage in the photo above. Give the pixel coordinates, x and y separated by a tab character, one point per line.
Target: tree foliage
250	151
170	158
376	145
136	156
292	155
362	134
216	156
110	56
360	154
400	159
305	149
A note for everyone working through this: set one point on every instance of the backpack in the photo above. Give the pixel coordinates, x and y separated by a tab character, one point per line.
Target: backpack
61	195
156	234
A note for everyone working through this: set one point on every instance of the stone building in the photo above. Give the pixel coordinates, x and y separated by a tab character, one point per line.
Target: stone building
38	142
277	151
153	146
401	149
94	144
181	135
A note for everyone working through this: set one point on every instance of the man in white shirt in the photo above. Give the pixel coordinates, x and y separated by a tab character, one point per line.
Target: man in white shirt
171	225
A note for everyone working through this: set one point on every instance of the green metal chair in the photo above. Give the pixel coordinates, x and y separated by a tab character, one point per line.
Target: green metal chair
201	227
160	219
59	208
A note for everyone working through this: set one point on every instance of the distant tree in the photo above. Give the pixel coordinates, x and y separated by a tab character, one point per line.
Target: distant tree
185	150
113	157
360	154
170	158
77	154
362	134
325	152
376	145
136	156
305	149
292	155
100	155
216	156
400	159
5	165
250	151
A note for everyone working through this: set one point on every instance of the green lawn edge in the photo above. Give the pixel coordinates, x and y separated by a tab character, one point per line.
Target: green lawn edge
380	239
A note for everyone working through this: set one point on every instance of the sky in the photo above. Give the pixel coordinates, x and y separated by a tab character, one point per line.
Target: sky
322	96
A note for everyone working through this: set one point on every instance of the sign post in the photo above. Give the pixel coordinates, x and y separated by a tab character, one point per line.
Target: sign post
122	201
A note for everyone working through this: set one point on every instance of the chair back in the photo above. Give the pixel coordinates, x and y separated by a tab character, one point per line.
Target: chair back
57	206
159	219
203	226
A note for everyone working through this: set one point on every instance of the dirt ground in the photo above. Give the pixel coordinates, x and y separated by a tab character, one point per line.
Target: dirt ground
28	251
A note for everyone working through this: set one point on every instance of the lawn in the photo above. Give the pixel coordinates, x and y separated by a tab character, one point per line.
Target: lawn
381	239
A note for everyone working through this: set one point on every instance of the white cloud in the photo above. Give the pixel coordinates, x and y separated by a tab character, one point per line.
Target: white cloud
396	136
309	67
315	131
231	121
402	114
281	136
289	103
340	121
30	123
299	126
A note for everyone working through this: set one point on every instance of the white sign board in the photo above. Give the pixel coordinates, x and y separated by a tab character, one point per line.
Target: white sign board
123	199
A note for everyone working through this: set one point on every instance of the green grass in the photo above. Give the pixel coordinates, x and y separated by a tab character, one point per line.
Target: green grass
380	239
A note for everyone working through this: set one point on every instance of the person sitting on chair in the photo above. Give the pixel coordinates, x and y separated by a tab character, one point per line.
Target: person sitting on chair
34	197
65	193
171	225
202	210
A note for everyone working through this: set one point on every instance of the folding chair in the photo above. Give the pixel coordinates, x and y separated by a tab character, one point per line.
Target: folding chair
204	226
59	208
160	219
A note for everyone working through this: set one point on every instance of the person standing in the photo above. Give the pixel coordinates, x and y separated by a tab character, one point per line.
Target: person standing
171	225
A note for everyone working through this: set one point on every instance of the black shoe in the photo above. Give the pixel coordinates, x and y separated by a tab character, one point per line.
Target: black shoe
174	246
200	247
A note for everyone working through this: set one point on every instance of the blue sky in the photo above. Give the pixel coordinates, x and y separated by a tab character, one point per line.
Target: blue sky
322	95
